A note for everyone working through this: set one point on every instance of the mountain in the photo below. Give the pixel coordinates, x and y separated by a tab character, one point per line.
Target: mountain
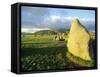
62	30
45	32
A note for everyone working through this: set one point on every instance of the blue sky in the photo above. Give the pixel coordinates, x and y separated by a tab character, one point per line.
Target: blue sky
39	18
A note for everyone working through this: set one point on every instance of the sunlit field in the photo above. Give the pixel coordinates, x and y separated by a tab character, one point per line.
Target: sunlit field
44	52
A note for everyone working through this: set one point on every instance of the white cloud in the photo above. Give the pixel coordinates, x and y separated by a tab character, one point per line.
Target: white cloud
70	18
88	19
55	18
32	30
84	19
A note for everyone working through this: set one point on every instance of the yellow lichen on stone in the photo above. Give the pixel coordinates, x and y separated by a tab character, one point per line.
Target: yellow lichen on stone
78	40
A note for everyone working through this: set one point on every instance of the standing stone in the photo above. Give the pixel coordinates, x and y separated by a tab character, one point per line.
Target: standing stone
78	40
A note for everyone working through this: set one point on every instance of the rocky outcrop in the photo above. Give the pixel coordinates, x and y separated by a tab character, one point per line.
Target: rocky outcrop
79	40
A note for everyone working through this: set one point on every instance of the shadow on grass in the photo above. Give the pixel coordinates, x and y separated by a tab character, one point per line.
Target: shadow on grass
47	50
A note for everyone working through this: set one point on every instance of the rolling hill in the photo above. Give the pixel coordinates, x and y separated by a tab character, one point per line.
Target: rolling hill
45	32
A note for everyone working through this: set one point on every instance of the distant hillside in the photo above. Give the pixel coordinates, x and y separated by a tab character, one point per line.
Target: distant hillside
63	30
27	33
45	32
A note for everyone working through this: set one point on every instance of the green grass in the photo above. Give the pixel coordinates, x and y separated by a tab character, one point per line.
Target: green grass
43	52
79	61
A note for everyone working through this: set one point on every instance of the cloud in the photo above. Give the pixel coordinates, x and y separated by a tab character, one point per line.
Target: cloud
32	30
53	18
38	11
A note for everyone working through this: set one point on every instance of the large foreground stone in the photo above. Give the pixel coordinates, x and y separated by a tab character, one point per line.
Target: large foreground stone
78	40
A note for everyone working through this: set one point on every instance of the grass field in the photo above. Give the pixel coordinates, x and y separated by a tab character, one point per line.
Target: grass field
43	52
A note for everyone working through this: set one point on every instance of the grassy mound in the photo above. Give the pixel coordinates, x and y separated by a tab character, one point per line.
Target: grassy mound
79	61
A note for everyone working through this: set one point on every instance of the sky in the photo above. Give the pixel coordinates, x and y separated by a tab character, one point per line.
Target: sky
38	18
